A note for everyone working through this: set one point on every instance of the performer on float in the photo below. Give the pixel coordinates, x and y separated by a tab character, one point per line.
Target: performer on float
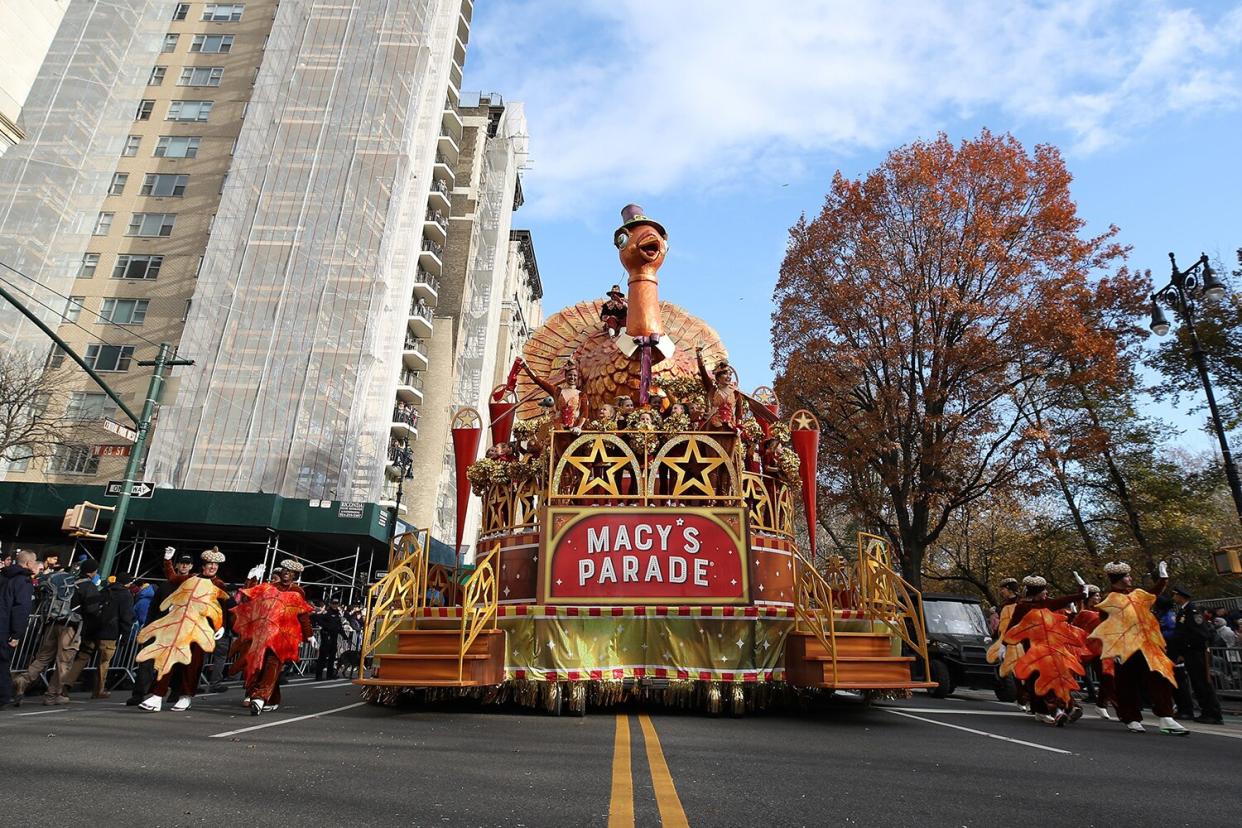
613	312
1087	619
271	621
188	622
570	404
1130	635
725	406
1053	650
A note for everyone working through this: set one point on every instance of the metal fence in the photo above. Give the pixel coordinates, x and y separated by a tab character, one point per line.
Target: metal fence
124	663
1227	670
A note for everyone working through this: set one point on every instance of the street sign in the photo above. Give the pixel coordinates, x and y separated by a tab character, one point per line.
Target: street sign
139	489
112	451
120	430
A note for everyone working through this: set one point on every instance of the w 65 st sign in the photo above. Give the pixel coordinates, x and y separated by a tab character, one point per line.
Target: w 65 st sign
644	556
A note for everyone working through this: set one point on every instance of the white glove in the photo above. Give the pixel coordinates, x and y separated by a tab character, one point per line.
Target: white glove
219	633
256	573
1086	593
169	552
1162	569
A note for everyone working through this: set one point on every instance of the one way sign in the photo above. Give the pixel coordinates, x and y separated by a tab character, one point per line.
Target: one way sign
139	489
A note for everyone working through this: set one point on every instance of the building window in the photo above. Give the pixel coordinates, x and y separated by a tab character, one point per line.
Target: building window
86	269
189	110
151	224
212	44
137	267
103	224
117	187
223	12
144	110
164	185
198	270
73	308
89	405
157	76
124	311
19	458
170	43
181	11
55	357
186	313
223	180
177	146
75	459
233	148
201	76
109	358
131	146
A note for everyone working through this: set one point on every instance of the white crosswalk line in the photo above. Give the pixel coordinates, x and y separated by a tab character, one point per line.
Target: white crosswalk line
979	732
286	721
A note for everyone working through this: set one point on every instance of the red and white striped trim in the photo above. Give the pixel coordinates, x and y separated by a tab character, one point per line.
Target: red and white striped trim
658	611
659	672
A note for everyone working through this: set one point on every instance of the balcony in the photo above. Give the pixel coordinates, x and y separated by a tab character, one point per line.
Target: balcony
459	52
431	257
426	287
442	171
420	318
388	496
447	148
414	353
435	226
455	79
404	427
438	198
451	122
463	25
410	387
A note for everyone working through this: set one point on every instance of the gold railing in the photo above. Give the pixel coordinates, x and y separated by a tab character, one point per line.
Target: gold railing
814	608
885	596
398	596
480	599
511	507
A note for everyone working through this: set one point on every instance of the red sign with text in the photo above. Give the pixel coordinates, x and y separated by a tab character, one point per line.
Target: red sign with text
640	556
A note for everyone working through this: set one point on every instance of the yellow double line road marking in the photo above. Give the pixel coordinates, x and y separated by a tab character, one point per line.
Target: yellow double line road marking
621	806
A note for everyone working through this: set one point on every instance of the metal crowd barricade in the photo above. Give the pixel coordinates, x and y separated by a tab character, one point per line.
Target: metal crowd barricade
1227	670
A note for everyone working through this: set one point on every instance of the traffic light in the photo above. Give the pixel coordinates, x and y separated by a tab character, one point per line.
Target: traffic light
80	521
1228	561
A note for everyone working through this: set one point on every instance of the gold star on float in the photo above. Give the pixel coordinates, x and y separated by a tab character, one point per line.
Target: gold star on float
693	469
598	468
803	421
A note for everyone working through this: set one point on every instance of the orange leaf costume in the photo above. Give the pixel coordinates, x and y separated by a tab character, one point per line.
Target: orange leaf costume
1132	628
1054	651
1013	652
267	619
192	616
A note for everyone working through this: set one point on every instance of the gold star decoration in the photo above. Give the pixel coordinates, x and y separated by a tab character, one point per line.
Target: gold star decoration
804	421
693	469
600	465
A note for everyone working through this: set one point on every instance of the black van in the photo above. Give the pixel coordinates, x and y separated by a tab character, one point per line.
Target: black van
957	645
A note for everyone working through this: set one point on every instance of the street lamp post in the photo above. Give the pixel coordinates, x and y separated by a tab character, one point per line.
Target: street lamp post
1185	287
403	460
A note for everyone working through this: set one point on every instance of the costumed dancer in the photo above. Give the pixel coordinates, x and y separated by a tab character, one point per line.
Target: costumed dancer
613	312
271	621
725	406
571	405
1052	661
1130	635
1087	619
1005	657
189	621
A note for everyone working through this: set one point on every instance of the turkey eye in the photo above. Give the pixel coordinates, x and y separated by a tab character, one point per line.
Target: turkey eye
621	239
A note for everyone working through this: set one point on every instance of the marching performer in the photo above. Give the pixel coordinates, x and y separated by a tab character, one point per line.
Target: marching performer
1008	656
1052	660
1130	635
1087	619
271	621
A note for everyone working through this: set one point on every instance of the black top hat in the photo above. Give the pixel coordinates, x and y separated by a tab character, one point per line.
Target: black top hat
632	216
616	291
1182	592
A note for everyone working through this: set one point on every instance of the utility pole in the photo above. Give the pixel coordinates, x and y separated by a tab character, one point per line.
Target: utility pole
156	386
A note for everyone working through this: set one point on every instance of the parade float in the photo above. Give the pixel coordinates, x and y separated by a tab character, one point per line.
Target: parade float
639	535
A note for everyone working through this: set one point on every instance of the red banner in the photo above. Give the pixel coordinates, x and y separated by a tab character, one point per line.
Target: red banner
804	433
466	430
644	556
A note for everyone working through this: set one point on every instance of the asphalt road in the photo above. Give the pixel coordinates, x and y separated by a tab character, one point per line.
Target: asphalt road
325	758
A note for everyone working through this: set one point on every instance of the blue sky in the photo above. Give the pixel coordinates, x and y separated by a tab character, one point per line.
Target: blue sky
726	121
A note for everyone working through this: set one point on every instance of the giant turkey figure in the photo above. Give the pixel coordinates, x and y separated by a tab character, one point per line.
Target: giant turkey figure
610	367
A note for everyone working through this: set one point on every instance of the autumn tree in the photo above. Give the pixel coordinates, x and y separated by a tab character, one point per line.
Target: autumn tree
914	312
29	393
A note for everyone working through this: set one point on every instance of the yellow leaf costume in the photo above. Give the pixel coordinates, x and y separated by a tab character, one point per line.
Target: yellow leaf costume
192	616
1132	628
1013	652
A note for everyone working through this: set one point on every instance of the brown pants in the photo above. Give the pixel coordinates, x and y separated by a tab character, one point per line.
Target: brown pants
106	650
1107	690
60	644
185	676
1132	677
266	684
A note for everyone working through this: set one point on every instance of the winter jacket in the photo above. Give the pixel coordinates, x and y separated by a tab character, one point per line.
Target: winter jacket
116	616
142	604
88	603
15	596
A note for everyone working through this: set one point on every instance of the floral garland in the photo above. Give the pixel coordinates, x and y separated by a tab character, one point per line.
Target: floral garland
646	426
676	423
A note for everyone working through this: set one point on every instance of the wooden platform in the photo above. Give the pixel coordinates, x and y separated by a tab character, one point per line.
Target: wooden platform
429	658
863	661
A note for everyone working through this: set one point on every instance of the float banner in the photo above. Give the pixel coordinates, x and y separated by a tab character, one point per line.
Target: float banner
642	556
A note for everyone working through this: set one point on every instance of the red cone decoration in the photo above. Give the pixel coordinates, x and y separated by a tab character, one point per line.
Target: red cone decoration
804	432
466	430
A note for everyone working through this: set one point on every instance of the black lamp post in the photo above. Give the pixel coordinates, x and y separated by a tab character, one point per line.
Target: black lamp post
1185	287
403	461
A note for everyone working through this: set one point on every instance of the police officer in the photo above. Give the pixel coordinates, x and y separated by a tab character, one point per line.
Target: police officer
1189	644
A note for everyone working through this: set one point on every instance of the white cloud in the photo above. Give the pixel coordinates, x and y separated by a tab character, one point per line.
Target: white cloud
660	94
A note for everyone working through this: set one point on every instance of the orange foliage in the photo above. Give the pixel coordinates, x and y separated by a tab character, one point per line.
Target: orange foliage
1055	650
192	616
1129	628
267	619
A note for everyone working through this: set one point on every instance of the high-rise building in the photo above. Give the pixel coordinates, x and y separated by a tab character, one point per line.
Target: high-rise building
274	189
26	30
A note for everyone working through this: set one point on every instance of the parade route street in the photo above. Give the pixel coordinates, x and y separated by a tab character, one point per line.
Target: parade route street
325	758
